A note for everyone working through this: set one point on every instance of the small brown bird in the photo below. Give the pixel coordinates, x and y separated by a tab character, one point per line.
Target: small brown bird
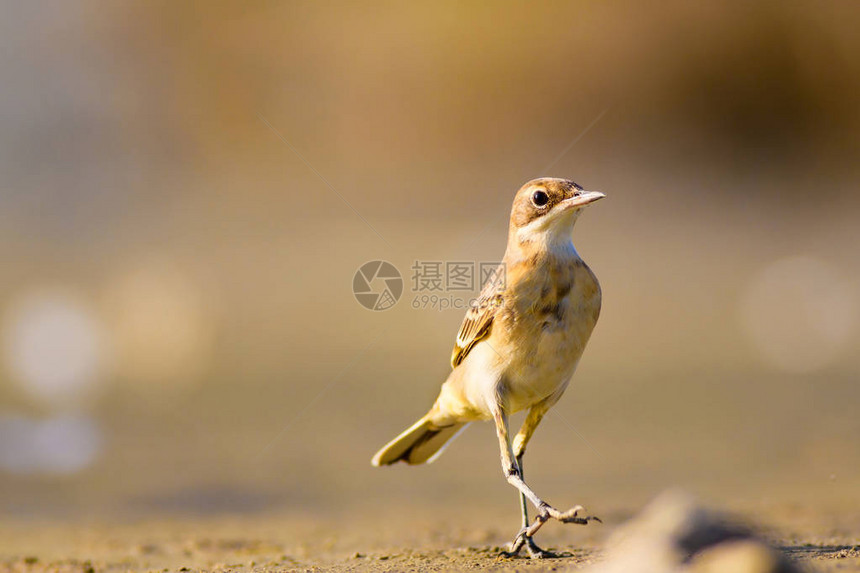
518	346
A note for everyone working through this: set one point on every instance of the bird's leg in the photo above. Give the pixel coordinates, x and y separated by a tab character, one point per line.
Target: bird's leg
522	438
522	539
524	506
513	475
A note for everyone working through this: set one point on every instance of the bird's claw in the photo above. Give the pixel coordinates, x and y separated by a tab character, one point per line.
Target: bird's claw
572	515
536	552
582	520
545	513
523	539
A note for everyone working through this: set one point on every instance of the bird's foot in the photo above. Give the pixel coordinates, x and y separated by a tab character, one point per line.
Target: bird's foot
572	515
545	512
535	552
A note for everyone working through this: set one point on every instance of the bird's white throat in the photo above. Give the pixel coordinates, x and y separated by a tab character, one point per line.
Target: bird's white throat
552	236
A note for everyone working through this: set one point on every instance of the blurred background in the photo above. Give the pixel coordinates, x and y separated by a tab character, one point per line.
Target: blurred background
187	190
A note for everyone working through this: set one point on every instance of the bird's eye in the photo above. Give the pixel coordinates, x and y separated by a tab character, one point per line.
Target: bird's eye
540	199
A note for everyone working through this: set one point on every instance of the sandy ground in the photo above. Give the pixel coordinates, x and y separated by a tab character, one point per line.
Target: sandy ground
822	539
187	495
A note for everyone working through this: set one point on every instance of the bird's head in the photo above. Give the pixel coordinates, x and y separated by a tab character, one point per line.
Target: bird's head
545	210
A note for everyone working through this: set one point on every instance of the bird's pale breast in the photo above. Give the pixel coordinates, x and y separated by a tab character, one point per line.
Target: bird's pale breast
553	305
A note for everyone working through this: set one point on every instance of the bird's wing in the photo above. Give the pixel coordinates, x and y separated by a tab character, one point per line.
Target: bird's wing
479	318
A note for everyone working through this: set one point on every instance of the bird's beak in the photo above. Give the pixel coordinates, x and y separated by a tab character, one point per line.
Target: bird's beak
580	200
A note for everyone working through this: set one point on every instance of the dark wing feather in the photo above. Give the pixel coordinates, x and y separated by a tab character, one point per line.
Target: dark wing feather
479	318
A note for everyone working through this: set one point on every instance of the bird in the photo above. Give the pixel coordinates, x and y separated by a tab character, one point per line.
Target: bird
518	346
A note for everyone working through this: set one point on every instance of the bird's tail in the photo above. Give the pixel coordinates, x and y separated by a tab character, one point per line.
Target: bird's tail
422	442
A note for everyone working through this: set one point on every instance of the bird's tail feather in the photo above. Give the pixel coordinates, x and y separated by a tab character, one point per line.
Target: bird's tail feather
422	442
